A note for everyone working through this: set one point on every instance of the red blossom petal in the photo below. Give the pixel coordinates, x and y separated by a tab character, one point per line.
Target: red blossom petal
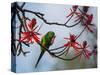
22	39
34	21
87	54
30	27
31	24
29	40
68	44
25	35
88	22
77	44
72	37
74	45
36	38
67	38
89	19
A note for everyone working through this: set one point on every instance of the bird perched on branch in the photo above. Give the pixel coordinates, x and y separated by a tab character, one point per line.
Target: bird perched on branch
46	41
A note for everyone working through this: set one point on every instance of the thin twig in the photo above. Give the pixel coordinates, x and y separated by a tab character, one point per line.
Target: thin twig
22	5
64	50
49	23
80	33
52	54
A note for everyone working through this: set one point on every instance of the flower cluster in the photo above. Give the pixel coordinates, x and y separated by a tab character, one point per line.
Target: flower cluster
31	35
72	42
82	17
86	52
79	48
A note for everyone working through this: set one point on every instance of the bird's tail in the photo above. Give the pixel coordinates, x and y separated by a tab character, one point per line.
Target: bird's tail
39	59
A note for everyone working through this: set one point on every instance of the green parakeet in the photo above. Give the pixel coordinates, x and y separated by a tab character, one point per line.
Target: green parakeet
46	41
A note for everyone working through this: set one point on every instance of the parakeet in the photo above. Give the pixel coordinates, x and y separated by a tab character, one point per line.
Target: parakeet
46	41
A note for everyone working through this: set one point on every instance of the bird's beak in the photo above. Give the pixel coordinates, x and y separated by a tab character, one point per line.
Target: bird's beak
53	39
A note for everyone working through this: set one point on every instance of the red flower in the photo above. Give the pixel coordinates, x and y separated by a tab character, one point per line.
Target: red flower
85	52
73	10
88	22
30	36
72	42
